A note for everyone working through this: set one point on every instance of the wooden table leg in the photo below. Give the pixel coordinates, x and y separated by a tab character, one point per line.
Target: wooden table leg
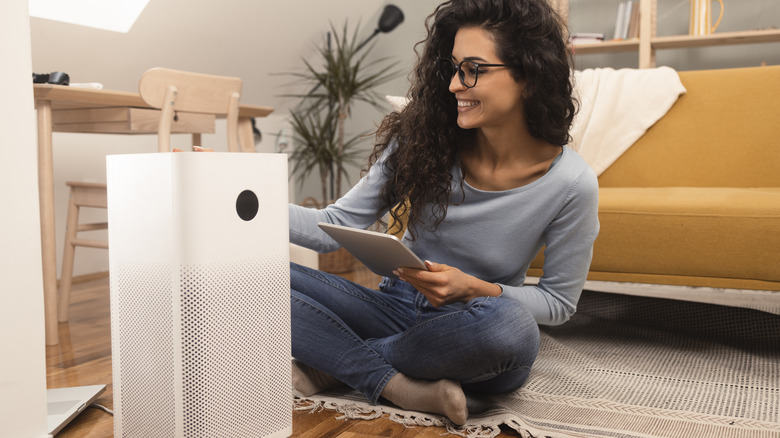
246	138
48	233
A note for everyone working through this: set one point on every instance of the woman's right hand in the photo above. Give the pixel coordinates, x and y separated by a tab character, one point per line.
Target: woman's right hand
443	284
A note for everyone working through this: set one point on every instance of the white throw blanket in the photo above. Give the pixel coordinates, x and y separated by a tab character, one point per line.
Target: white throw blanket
616	108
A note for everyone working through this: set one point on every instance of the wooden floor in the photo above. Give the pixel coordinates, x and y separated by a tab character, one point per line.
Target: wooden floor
83	357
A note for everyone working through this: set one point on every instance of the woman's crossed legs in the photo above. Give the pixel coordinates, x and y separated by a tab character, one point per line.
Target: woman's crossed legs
393	343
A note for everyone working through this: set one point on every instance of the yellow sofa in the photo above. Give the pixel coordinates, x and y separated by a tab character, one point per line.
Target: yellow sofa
696	200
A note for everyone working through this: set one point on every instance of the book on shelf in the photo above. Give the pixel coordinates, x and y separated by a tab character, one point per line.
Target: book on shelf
618	34
633	21
627	20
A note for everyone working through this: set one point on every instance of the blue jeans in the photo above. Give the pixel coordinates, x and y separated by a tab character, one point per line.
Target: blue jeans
363	337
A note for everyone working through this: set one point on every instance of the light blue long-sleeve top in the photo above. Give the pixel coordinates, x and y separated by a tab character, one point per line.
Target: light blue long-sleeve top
492	235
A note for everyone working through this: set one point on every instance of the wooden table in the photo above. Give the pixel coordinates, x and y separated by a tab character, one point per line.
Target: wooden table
70	109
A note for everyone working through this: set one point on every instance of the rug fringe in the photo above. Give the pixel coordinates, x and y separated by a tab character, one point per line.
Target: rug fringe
411	420
354	412
312	406
408	419
474	431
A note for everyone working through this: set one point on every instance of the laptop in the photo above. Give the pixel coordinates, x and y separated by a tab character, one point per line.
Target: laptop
64	404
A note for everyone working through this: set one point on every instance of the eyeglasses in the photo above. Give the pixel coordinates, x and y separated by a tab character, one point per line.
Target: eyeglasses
468	71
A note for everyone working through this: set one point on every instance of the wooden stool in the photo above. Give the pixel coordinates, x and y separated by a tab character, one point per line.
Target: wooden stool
82	194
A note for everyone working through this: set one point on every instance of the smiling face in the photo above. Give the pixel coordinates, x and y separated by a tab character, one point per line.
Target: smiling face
496	99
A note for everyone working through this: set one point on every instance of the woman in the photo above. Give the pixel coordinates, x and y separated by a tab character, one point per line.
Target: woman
477	163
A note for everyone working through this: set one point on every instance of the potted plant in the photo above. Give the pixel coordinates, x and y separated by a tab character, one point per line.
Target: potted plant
317	148
341	77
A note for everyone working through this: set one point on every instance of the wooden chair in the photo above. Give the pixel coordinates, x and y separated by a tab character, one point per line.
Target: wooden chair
171	91
82	194
174	90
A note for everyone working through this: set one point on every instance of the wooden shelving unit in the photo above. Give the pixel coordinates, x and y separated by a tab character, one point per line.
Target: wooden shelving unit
607	47
717	39
648	43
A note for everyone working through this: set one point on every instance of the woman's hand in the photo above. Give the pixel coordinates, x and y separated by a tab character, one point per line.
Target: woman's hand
195	148
443	284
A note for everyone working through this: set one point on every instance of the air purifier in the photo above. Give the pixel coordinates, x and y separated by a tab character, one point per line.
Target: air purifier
199	284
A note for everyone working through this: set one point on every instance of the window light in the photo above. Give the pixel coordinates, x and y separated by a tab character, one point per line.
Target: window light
113	15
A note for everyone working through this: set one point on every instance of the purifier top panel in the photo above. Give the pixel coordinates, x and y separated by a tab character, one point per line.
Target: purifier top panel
194	208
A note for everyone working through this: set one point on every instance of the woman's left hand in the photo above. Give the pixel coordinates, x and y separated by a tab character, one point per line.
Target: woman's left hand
442	284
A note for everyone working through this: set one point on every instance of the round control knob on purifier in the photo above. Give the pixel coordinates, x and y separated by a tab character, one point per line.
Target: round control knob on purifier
247	205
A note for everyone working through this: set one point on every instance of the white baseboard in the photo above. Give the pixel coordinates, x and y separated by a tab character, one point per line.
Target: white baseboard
763	300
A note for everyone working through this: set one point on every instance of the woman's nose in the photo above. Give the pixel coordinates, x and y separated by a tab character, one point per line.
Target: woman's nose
456	84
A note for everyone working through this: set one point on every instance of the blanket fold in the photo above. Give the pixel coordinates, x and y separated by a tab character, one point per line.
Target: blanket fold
617	107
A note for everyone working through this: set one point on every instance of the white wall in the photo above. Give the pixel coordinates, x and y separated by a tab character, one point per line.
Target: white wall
23	360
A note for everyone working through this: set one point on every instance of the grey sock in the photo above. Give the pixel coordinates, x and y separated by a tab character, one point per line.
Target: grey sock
444	397
309	381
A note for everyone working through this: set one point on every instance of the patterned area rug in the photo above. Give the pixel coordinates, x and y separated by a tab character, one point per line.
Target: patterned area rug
627	366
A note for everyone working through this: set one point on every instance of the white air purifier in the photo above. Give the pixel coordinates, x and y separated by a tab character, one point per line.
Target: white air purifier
200	284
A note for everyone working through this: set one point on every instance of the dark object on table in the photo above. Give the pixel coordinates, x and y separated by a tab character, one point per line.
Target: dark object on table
56	78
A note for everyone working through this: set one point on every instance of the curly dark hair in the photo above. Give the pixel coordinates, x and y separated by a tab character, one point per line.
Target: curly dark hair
529	34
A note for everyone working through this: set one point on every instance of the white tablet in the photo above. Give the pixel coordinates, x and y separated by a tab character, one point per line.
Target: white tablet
381	253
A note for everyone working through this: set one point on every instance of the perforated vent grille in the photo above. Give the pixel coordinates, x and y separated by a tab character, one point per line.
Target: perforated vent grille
236	348
143	346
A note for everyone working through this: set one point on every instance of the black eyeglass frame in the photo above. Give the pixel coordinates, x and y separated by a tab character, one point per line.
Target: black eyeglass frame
457	70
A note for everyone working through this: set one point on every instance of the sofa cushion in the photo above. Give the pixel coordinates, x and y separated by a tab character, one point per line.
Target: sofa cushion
712	237
729	233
